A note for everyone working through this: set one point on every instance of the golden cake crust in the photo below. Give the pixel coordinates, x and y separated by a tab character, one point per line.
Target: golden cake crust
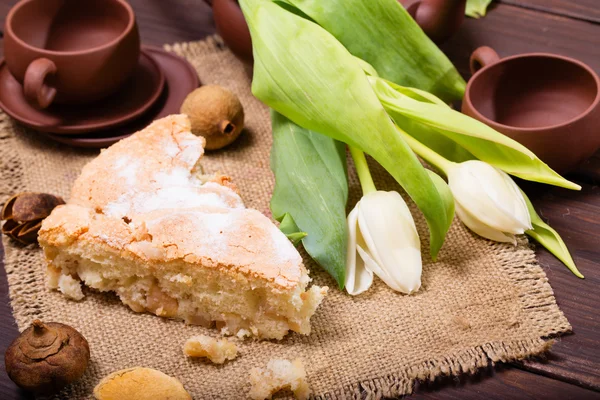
142	200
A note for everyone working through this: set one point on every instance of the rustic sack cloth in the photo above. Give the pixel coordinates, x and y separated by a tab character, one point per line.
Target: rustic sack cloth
480	303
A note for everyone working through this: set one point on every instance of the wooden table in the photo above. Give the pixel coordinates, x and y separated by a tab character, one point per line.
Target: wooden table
569	27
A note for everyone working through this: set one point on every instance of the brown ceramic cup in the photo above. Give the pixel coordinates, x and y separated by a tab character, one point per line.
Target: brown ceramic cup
71	51
548	103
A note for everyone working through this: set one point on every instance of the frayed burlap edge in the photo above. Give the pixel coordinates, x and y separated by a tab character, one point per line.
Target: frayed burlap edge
25	304
537	303
536	295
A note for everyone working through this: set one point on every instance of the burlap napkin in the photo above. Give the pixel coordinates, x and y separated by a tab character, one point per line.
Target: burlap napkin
481	303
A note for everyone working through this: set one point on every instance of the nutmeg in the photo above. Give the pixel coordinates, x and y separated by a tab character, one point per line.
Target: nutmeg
47	357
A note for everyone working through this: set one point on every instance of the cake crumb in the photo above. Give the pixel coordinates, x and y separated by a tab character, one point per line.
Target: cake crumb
70	287
217	351
226	181
279	375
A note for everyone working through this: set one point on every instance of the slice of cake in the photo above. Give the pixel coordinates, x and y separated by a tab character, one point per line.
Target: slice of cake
145	223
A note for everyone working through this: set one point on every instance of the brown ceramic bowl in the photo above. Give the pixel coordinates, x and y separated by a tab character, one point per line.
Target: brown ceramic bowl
71	51
548	103
233	28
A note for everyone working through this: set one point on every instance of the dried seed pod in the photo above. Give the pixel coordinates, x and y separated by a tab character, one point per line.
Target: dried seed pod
216	114
33	206
47	357
24	213
6	213
26	233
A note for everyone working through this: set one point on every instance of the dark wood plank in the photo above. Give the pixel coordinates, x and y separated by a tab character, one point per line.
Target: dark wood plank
500	384
576	215
586	10
161	21
8	328
8	331
512	30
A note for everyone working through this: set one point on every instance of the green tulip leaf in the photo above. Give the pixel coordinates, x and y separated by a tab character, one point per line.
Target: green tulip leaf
477	8
427	135
290	229
304	73
550	239
477	138
383	34
446	194
311	191
366	67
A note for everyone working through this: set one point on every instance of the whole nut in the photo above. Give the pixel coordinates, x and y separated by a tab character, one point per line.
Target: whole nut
47	357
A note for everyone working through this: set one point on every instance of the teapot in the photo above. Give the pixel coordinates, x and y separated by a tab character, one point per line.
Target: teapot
439	19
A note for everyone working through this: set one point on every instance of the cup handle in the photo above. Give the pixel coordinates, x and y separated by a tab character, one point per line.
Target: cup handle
37	91
482	57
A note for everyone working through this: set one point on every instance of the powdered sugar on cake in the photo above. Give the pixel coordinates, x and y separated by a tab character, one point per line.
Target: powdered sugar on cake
143	221
157	186
174	197
127	168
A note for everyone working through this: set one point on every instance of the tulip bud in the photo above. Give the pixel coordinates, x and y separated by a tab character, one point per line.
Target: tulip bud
488	201
383	240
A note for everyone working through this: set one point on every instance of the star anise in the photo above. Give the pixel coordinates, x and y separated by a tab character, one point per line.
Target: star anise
24	213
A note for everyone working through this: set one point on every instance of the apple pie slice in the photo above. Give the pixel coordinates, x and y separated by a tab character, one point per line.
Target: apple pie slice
145	223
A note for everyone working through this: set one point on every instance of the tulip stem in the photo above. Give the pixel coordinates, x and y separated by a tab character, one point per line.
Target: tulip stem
362	168
426	153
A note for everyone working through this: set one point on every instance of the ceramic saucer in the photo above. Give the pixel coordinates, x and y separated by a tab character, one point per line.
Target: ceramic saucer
137	95
180	79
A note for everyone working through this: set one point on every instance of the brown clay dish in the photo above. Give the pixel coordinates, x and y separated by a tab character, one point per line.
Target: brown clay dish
134	98
548	103
71	51
180	79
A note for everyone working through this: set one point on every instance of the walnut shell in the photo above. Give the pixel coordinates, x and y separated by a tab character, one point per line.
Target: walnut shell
47	357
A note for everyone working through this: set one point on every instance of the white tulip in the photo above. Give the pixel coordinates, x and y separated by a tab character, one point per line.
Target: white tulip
488	201
383	240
